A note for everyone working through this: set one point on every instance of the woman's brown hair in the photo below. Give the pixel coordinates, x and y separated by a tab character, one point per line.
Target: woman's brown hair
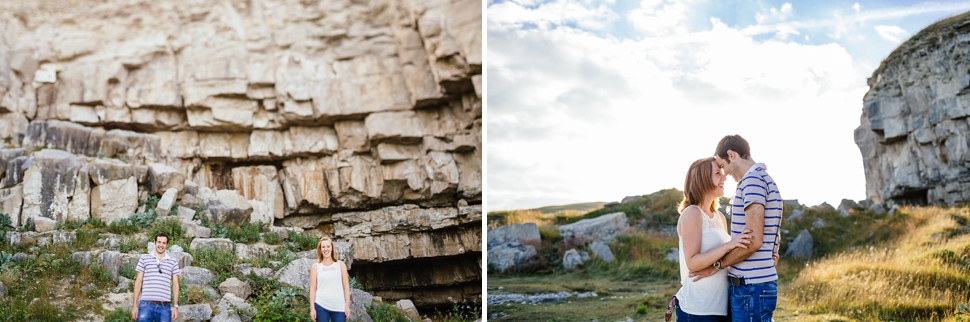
698	182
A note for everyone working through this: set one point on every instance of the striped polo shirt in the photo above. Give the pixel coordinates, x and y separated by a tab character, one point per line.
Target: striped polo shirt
157	286
756	186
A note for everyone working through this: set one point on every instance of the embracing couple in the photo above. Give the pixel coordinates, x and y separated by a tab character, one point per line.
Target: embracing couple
728	272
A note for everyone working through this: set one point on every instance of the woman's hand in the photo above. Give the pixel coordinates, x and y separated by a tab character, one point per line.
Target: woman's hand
347	312
740	240
699	275
313	313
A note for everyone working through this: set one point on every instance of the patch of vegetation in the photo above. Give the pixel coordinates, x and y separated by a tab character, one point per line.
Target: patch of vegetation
118	315
5	225
219	262
272	238
128	271
298	242
656	209
286	304
247	233
132	224
460	312
171	226
386	312
355	284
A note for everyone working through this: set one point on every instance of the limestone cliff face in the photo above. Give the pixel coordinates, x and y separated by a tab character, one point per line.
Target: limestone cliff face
358	119
913	135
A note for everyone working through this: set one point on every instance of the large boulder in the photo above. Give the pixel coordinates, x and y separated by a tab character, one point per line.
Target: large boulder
359	302
502	258
165	204
196	276
519	233
235	287
49	185
220	244
803	246
234	308
229	207
848	205
112	261
296	273
194	313
161	177
409	309
11	203
261	183
115	199
602	228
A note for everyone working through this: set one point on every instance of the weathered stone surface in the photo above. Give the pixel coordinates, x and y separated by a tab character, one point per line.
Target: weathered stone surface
11	200
359	302
234	308
409	310
229	207
296	273
352	135
307	141
503	257
396	219
602	228
398	127
13	125
602	250
520	233
181	144
260	183
194	313
112	261
802	247
162	177
913	131
104	170
222	244
84	258
115	199
301	185
176	251
573	258
196	276
235	287
166	202
192	229
49	185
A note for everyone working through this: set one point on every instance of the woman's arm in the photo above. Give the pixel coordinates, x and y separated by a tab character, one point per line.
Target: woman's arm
313	291
346	281
690	228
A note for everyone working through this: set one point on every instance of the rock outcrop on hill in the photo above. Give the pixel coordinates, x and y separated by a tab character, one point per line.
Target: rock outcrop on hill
913	135
359	120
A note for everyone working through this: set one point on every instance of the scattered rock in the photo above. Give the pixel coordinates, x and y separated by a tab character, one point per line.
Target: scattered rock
802	247
230	305
163	177
519	233
602	250
235	287
877	208
795	214
223	244
112	261
573	258
123	284
409	310
819	223
359	302
194	313
84	258
193	229
186	214
296	273
196	276
43	224
166	202
501	258
229	207
602	228
64	237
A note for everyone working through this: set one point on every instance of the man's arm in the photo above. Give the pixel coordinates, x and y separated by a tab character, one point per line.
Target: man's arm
134	299
175	297
754	218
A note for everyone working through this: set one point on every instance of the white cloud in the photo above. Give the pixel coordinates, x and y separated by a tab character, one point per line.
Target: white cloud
891	33
856	7
661	17
548	15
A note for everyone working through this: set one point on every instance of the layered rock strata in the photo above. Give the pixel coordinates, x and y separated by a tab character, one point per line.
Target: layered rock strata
360	120
914	124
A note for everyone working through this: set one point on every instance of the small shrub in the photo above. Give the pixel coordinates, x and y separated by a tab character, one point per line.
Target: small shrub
641	309
118	315
100	274
171	227
355	284
386	312
302	242
219	263
246	233
86	238
132	224
550	233
131	244
5	225
47	311
128	271
286	304
272	238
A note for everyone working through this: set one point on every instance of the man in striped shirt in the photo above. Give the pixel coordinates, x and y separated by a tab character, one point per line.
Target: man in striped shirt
159	273
757	205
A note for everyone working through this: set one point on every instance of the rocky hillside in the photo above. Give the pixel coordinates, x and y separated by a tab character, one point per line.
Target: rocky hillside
360	120
913	135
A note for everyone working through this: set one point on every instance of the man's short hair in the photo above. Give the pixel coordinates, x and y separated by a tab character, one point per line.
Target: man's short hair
161	234
734	143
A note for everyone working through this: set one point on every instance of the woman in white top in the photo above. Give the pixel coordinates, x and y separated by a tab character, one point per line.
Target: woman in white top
329	285
703	240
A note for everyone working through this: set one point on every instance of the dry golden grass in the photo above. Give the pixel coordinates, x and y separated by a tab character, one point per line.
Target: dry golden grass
922	276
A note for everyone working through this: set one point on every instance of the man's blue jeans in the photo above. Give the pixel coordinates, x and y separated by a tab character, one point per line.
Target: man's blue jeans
753	302
148	311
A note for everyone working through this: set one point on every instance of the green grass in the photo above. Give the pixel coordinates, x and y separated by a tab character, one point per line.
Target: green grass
247	233
658	209
386	312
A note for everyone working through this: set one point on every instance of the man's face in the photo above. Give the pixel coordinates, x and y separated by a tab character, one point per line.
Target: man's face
728	166
160	244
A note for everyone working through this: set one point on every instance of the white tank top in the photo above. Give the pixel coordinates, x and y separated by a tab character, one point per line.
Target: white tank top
709	296
330	287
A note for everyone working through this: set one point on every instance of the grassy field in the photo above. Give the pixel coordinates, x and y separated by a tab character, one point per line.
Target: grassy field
910	266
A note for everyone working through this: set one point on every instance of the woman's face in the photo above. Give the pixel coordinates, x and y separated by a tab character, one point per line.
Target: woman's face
718	177
326	248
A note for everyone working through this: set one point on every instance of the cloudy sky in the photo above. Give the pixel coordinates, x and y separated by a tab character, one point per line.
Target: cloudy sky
596	100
